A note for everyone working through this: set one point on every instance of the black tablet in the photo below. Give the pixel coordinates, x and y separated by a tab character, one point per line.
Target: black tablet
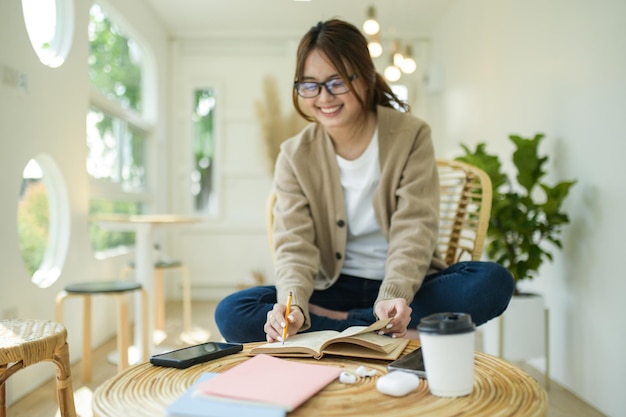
411	362
185	357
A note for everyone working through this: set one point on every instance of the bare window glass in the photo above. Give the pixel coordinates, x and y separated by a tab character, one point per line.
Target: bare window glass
402	92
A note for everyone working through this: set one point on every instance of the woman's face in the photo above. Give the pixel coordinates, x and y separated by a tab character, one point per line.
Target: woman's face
331	111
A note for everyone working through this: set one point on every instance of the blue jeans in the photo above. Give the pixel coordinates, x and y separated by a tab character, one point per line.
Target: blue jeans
482	289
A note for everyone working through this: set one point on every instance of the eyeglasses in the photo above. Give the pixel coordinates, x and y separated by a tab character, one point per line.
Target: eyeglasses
310	89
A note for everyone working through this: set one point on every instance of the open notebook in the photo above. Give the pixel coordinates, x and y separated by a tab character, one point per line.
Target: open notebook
355	341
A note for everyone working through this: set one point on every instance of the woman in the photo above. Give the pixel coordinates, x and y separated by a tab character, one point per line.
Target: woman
356	216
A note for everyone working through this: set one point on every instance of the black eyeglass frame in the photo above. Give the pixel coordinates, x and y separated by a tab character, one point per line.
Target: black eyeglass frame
326	86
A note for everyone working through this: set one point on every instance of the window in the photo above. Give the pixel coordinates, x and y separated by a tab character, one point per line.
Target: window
202	175
117	131
115	61
33	217
401	91
43	220
50	27
116	150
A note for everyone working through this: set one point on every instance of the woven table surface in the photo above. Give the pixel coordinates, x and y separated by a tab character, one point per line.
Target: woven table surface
500	389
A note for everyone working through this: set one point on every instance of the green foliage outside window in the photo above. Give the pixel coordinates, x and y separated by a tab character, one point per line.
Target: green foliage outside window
203	147
32	224
116	145
133	162
101	239
114	61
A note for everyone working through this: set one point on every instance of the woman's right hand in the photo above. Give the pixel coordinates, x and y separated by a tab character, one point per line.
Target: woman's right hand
400	313
275	322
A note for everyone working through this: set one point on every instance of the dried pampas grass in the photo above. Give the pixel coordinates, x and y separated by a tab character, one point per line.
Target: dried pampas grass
275	126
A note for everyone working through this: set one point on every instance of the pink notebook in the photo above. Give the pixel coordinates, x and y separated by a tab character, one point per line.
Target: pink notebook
264	379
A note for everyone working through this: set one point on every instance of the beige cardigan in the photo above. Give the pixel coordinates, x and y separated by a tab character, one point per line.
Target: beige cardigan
310	230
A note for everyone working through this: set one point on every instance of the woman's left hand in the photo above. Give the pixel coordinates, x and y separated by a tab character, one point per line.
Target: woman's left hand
399	310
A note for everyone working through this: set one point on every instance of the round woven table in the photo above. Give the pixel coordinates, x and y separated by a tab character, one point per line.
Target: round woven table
500	389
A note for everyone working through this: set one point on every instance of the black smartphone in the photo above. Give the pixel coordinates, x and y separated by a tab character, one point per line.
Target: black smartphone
411	362
185	357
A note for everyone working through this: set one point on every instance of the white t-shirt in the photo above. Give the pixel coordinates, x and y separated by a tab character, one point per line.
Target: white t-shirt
367	248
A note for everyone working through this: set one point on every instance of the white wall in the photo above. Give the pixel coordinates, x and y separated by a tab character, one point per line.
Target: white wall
509	66
230	246
557	67
49	117
44	119
228	249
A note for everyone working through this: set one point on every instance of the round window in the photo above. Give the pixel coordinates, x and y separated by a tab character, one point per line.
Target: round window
43	220
50	27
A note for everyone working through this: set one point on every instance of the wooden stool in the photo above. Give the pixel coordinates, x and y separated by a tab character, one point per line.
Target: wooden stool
26	342
159	291
118	289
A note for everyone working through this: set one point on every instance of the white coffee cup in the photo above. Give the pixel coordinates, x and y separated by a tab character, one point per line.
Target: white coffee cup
447	341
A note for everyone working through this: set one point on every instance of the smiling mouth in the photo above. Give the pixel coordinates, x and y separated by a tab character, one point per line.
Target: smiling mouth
329	110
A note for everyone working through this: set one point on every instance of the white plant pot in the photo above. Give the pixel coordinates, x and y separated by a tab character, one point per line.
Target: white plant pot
523	330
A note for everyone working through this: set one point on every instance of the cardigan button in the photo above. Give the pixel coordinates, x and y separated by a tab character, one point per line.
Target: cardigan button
341	223
338	255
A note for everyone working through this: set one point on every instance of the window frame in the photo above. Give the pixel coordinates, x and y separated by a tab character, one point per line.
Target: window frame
182	153
105	187
140	121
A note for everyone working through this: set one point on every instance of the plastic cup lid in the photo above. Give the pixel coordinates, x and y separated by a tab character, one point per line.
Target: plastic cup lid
446	323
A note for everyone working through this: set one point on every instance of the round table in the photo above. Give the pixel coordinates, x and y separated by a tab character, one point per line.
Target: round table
143	225
500	389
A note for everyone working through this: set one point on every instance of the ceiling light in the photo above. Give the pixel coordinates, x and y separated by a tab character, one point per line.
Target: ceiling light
408	65
371	26
392	73
397	55
397	59
374	46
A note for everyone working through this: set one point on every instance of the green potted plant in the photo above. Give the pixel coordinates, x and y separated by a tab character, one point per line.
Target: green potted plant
526	212
525	225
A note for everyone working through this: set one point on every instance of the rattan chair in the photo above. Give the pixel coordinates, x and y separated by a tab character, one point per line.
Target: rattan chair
269	221
465	209
27	342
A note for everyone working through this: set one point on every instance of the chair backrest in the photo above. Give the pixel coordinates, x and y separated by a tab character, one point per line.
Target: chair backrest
465	208
269	220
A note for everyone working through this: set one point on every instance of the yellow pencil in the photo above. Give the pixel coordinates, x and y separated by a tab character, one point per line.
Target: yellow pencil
286	328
